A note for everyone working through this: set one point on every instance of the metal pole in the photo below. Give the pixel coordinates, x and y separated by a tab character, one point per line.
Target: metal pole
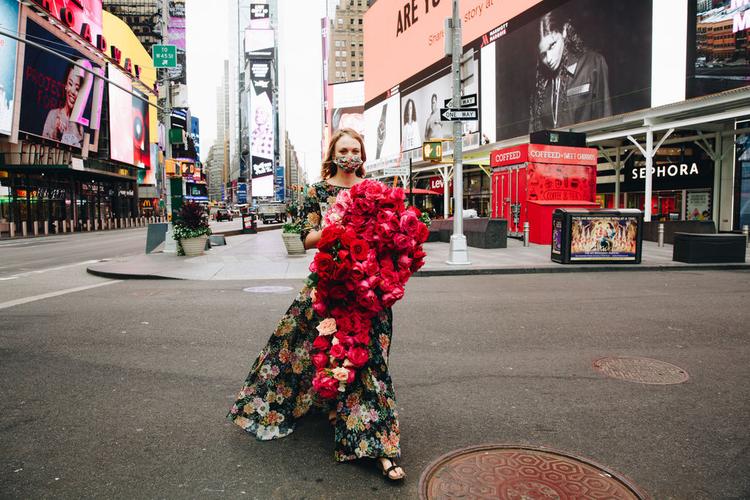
458	250
618	169
411	186
525	234
649	165
746	232
170	245
661	234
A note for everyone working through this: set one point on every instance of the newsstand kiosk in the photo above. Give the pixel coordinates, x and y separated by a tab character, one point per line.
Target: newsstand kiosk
531	181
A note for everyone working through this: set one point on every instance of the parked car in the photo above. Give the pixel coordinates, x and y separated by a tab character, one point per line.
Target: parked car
223	214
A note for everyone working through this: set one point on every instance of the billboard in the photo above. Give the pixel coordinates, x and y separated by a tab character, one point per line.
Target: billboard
259	44
176	36
580	61
8	48
195	135
260	16
718	46
382	141
597	237
420	110
347	106
82	16
59	100
261	128
406	37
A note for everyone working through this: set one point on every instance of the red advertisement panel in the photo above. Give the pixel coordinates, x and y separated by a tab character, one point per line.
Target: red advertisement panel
550	182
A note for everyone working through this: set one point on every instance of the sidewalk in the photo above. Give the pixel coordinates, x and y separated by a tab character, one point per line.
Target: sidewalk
262	256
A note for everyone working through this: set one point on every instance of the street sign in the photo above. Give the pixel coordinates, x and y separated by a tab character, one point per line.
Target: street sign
458	114
393	171
466	100
432	150
165	56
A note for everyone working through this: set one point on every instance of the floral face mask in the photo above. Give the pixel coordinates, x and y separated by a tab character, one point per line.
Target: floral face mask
348	164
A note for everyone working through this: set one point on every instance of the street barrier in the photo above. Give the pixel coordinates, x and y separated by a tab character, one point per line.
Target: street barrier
35	225
46	228
24	229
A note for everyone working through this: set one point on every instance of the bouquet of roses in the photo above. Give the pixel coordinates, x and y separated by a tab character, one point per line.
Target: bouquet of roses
370	245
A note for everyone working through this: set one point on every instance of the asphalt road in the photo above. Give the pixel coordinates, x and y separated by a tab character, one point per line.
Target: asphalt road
120	391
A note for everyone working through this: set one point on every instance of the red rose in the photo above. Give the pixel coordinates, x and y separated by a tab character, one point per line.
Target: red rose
359	249
374	190
363	206
358	272
323	264
326	386
321	343
422	233
362	338
416	265
404	262
369	301
415	211
330	235
339	292
418	254
344	339
402	241
320	360
338	351
319	308
409	223
358	356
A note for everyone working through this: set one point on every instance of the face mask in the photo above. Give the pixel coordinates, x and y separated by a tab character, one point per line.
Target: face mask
348	164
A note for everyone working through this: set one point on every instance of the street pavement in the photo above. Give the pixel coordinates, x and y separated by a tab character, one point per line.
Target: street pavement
120	391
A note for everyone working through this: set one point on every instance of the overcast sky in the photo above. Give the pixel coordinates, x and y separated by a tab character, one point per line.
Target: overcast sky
300	54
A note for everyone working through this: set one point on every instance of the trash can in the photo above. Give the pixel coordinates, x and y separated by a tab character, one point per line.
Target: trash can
587	236
249	223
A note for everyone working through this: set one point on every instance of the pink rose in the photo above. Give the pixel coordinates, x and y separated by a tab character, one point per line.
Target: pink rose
325	385
409	223
327	327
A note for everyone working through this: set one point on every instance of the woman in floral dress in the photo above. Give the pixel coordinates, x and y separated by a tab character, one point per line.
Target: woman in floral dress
278	390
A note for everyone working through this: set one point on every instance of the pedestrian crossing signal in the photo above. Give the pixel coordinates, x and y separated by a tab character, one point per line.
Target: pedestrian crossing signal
432	150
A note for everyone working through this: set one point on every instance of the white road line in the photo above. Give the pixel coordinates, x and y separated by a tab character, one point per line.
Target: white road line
42	271
26	300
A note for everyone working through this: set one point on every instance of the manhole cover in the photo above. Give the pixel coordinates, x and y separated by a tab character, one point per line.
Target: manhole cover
268	289
521	473
641	370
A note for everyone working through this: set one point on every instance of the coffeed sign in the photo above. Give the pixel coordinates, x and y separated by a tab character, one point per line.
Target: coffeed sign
669	176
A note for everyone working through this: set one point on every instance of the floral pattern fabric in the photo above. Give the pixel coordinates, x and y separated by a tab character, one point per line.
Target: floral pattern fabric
278	390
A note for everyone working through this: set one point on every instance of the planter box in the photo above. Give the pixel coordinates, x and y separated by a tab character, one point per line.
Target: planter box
194	246
293	243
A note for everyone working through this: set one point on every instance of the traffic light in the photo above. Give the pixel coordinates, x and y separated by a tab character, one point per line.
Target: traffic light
432	150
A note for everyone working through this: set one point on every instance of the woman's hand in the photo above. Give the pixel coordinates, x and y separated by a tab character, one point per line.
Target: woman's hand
312	239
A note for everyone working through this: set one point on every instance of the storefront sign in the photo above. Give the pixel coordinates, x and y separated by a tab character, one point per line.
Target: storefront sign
669	176
540	153
125	192
436	184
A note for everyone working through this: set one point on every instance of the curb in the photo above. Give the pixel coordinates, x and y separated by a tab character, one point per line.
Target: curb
126	276
578	269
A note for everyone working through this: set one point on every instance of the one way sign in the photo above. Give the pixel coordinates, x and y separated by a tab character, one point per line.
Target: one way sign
466	101
458	114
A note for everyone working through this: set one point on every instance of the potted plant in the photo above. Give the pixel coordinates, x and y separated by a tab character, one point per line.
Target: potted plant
191	229
290	233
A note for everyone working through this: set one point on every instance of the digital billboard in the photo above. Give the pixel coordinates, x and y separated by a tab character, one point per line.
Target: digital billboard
347	106
82	16
60	101
8	48
719	47
176	37
580	61
128	121
261	128
407	37
382	139
420	110
259	44
597	237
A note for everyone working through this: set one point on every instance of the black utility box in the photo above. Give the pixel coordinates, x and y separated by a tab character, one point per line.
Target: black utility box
554	138
708	248
583	236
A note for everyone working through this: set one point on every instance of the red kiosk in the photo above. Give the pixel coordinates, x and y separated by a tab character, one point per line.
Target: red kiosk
530	181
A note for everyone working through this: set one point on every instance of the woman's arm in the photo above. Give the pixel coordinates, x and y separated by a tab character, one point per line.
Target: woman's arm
312	239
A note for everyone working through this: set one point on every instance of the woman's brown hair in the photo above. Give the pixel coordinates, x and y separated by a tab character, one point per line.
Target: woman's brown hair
328	169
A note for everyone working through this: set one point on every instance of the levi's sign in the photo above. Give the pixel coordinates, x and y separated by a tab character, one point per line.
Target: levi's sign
458	114
466	100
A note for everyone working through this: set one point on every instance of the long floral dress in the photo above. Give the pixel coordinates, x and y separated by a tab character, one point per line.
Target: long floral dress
278	390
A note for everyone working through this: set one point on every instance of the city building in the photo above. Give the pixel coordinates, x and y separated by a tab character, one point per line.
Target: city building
143	17
346	41
661	94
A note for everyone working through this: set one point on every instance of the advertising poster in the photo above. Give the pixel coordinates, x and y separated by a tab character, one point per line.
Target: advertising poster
128	122
720	46
8	48
580	61
195	134
261	129
57	96
176	36
420	111
698	206
382	140
260	16
557	226
259	43
601	237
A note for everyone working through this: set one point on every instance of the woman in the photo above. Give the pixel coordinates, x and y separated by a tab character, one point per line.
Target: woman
411	137
278	391
58	126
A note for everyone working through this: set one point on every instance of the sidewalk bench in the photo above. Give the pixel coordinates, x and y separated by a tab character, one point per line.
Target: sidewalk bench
696	248
482	232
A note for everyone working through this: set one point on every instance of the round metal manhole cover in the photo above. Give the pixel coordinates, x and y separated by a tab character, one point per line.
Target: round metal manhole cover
268	289
521	473
641	370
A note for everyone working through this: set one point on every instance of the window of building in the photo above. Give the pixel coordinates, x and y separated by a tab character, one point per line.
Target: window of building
341	21
360	21
354	54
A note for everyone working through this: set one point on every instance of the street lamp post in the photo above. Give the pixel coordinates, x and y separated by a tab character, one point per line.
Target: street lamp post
170	245
458	248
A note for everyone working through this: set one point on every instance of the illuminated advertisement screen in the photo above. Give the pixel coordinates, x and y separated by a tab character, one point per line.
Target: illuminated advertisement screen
603	237
195	134
420	110
718	46
259	44
382	140
84	14
8	47
580	61
261	129
57	96
128	122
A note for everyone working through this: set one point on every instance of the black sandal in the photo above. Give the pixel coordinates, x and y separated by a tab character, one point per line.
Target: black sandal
387	471
332	415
